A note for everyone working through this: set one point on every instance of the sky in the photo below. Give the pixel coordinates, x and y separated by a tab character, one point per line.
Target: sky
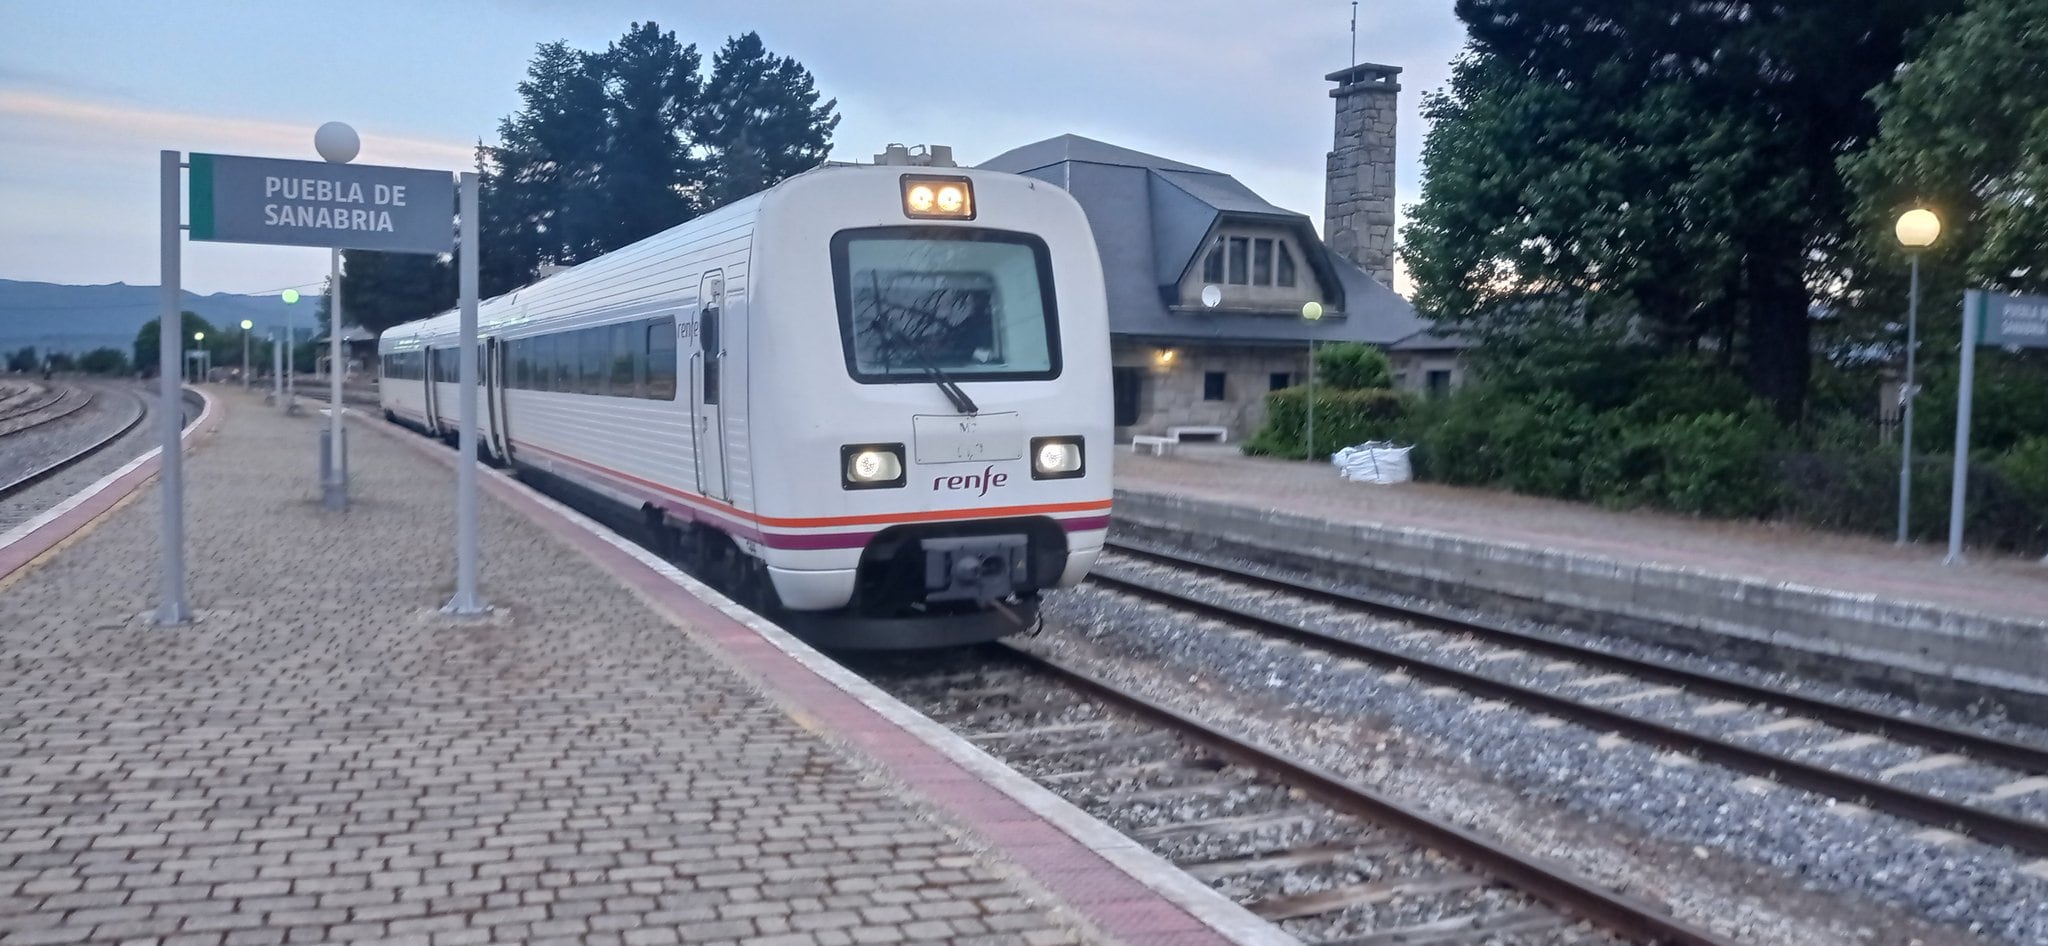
92	90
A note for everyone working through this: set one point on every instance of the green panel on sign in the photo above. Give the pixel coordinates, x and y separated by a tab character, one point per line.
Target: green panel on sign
200	191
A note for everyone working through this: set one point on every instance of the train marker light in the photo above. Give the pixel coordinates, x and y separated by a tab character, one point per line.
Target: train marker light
871	466
942	198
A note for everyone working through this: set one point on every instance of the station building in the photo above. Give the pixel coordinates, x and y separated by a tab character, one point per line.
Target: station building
1166	230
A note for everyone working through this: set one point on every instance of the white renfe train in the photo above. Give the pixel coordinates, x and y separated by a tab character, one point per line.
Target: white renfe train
882	392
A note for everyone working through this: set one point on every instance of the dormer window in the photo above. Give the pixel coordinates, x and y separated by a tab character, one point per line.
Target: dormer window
1249	261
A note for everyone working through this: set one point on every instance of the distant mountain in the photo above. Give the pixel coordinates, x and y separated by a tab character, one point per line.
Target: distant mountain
78	319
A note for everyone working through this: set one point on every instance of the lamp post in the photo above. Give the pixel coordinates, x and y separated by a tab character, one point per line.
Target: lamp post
284	355
1312	311
198	337
337	144
246	326
1916	230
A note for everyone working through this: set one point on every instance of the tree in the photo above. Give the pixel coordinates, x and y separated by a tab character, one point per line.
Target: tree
380	290
1964	130
761	120
613	146
24	359
146	349
1670	167
109	361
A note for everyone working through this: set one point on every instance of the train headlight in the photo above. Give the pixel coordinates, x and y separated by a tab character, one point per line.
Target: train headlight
946	198
871	465
1057	458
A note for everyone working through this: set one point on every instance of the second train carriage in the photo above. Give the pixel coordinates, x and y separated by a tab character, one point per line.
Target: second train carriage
881	391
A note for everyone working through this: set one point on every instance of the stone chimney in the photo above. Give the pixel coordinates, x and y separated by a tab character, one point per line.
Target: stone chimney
1358	203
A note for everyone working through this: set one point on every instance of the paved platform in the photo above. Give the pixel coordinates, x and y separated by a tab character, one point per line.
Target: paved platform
1830	595
614	756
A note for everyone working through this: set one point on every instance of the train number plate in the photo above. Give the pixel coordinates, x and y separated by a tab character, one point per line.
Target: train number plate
956	439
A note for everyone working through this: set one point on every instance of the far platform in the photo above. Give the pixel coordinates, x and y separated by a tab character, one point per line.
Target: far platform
615	755
1891	611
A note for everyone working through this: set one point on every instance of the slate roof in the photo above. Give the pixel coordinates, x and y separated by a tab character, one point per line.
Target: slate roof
1152	216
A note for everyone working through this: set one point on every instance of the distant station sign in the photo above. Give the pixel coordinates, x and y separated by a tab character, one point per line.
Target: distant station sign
314	203
2015	321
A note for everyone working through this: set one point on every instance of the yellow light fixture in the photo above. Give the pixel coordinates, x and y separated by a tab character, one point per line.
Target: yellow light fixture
1165	356
1918	228
1311	310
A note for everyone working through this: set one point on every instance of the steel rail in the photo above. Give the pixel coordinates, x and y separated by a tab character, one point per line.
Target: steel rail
13	416
1553	883
2010	754
1991	827
8	490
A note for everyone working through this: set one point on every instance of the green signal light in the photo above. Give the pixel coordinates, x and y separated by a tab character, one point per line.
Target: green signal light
291	296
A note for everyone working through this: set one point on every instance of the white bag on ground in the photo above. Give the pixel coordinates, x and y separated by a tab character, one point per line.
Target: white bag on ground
1375	461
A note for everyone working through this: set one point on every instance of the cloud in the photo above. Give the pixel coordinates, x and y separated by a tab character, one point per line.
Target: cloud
67	124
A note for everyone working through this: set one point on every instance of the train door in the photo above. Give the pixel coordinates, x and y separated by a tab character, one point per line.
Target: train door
706	388
430	371
496	379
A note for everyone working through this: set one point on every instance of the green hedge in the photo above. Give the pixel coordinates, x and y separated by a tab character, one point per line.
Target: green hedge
1343	418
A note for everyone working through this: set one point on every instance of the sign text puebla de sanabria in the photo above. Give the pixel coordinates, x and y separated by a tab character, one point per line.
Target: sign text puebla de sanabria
237	199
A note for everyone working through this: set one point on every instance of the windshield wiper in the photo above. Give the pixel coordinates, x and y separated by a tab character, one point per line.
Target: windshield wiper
947	386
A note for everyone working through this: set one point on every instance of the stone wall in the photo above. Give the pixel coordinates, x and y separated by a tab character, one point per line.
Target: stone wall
1172	391
1358	201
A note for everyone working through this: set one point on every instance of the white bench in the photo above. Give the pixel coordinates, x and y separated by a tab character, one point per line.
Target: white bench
1158	446
1180	434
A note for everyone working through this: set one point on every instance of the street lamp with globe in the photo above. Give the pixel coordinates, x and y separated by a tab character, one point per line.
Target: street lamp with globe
246	326
1313	312
1916	230
337	144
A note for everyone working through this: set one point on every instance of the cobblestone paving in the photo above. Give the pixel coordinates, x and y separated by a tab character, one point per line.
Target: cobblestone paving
1990	584
114	406
320	759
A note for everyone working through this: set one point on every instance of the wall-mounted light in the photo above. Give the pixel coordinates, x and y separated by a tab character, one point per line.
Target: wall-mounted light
1164	357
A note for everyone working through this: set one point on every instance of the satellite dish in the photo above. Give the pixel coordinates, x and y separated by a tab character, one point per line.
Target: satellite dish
1212	296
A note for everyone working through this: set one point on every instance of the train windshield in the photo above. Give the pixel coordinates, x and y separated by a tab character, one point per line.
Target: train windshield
945	304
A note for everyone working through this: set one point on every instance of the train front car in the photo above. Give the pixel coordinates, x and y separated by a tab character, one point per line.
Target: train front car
931	402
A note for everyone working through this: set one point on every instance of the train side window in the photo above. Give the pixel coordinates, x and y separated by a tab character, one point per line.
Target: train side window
661	359
627	356
707	328
562	353
595	351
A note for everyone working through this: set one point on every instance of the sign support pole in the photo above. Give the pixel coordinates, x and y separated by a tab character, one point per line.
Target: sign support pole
334	493
1974	303
467	602
170	346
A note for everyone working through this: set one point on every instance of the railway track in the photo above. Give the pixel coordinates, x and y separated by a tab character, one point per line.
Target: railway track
43	471
41	405
1613	693
1331	861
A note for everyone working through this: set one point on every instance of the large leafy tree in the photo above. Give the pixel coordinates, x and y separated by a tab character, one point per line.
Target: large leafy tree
146	343
379	290
1963	131
612	146
1666	166
761	121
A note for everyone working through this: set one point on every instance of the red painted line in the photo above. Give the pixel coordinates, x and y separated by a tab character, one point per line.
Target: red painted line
1113	900
47	536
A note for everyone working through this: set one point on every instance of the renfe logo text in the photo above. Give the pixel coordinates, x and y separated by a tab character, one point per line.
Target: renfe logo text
982	481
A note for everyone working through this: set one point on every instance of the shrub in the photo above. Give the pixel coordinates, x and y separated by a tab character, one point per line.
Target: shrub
1710	464
1343	418
1351	366
2025	469
1859	492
